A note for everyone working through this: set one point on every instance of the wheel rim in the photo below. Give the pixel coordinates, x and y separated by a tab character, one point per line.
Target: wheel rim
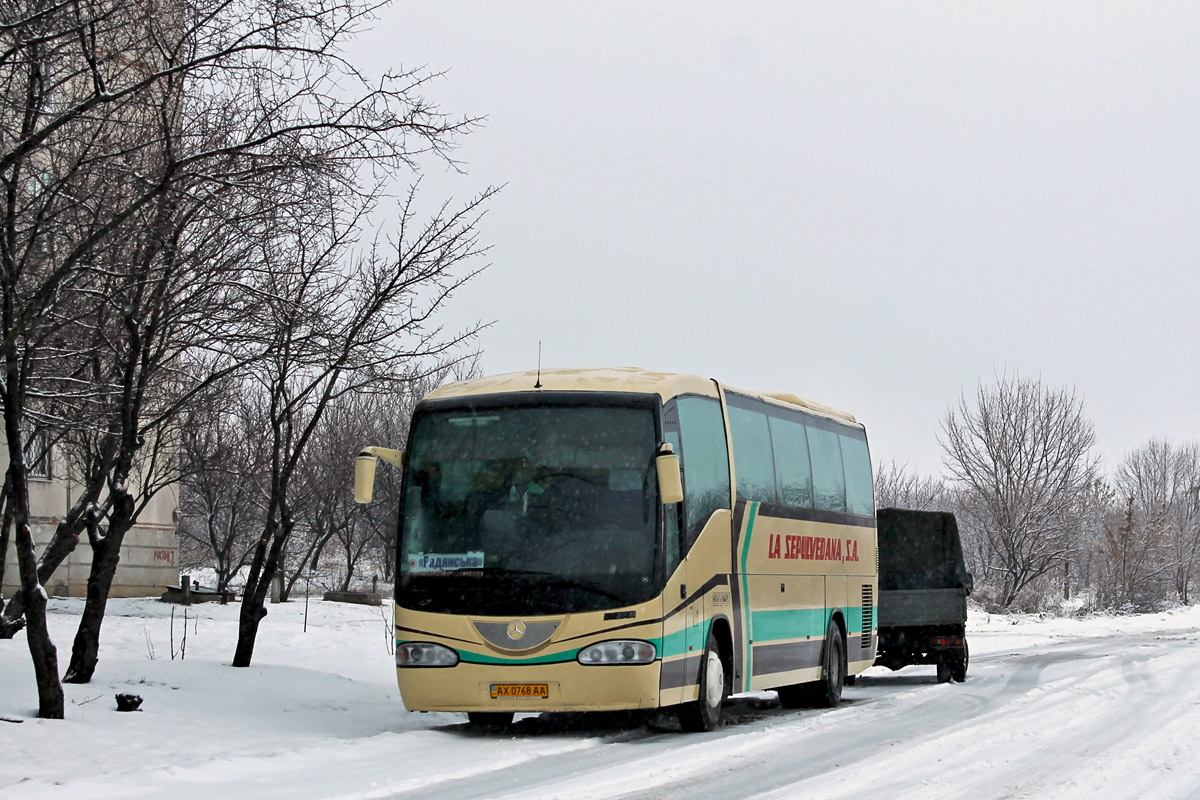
714	683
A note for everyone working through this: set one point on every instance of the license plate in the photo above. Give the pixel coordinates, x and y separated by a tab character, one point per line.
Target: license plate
505	690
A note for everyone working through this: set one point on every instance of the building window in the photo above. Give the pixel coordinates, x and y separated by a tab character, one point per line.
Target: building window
37	454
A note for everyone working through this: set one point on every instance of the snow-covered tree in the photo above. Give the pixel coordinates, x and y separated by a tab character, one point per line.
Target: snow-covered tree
127	127
333	323
1161	483
1021	453
897	487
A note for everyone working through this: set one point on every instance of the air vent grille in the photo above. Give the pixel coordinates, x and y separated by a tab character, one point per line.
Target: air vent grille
868	615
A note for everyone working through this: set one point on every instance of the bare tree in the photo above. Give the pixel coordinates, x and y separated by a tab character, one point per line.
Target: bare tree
896	487
226	482
333	327
368	533
1022	453
1087	569
328	521
220	499
1161	482
116	118
1132	554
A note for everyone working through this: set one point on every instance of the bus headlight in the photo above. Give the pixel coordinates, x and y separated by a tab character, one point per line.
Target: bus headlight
618	652
424	654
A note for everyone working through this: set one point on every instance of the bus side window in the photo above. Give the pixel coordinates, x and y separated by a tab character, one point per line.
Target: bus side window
753	460
705	463
791	462
860	496
829	481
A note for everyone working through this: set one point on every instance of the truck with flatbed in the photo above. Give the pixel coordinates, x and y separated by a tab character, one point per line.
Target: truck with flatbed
923	590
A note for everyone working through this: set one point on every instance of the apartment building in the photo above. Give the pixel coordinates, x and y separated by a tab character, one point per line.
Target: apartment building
149	553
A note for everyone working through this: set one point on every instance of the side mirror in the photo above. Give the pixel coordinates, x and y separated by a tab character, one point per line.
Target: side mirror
364	478
364	470
670	482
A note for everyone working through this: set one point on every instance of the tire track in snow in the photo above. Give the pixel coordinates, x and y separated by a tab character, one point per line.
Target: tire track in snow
1041	708
1036	742
851	740
671	763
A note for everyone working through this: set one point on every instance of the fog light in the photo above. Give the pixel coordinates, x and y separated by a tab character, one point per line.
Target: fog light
618	652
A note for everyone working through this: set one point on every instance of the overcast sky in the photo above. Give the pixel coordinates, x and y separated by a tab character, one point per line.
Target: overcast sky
873	205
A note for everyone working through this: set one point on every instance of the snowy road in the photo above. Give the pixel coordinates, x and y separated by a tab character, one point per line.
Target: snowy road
1077	718
1057	708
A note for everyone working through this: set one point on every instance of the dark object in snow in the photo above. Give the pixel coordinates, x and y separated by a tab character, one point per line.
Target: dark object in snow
10	719
923	588
362	598
195	594
128	702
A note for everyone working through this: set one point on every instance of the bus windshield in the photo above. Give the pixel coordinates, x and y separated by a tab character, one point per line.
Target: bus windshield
523	510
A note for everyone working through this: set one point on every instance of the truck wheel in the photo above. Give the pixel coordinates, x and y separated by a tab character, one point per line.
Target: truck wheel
704	713
958	665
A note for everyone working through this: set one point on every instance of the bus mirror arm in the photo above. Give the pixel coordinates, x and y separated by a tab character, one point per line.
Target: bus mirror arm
670	482
364	470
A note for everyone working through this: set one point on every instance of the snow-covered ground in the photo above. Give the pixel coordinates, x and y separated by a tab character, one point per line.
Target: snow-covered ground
1102	707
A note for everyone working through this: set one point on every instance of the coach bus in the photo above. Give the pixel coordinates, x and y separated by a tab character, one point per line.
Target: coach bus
583	540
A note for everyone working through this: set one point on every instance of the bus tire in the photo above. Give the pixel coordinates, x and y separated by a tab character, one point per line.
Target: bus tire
827	692
493	720
704	713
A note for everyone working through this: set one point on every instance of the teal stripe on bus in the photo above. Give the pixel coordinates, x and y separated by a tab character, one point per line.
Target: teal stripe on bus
749	632
853	620
793	623
672	644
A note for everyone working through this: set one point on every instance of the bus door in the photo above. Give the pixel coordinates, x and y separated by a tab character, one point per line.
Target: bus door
697	633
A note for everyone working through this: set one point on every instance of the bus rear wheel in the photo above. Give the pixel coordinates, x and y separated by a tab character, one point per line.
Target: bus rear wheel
826	692
704	713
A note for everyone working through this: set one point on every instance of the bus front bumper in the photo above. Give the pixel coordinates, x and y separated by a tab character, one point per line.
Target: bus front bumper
531	688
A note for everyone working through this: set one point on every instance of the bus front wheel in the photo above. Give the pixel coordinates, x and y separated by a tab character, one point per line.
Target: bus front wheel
704	713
